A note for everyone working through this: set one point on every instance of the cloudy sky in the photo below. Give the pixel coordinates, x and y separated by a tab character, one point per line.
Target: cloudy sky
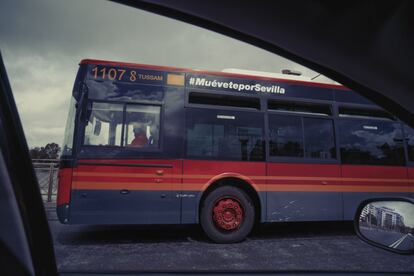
42	42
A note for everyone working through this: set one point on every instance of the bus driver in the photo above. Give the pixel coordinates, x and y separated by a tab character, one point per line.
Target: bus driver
140	139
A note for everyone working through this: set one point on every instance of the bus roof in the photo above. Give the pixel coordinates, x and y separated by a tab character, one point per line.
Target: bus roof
322	80
225	73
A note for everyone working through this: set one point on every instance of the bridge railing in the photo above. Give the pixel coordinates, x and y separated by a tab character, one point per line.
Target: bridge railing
46	172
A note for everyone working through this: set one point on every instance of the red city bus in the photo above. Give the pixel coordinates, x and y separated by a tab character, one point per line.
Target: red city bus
161	145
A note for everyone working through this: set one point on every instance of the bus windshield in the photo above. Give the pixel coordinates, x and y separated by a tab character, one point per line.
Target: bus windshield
67	144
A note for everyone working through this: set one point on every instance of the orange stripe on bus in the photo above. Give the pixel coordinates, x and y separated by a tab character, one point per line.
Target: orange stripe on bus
336	188
83	185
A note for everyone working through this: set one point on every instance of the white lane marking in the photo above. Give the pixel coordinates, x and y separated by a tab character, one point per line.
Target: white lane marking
398	242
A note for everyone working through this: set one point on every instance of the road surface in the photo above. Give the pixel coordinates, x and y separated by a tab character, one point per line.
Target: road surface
281	247
391	239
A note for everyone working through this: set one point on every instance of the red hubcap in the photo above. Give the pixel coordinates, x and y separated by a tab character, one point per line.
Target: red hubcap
228	214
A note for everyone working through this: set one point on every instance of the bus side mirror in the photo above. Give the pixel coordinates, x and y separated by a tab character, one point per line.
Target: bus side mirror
97	128
387	223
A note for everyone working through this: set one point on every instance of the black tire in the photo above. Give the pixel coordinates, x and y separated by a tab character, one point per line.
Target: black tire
211	226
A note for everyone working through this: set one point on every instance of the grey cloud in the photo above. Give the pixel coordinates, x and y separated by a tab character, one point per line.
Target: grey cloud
43	41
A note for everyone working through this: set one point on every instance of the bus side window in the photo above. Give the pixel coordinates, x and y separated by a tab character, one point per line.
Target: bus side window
296	136
286	136
409	138
319	138
104	123
142	124
216	135
371	142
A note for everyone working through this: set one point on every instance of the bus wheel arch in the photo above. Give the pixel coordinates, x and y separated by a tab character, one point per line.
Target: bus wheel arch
239	183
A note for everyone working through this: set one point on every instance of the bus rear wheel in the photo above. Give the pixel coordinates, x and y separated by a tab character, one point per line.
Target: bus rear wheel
227	215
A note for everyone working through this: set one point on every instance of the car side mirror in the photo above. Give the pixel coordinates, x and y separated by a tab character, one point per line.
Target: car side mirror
387	223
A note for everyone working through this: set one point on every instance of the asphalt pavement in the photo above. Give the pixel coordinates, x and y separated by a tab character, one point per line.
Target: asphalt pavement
384	237
406	242
317	246
392	239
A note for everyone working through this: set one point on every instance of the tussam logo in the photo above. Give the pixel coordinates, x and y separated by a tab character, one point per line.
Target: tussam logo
195	81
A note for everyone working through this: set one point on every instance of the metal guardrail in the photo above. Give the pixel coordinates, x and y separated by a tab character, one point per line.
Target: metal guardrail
47	172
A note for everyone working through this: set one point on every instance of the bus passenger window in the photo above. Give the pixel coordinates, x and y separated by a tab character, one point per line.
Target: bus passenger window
224	137
104	125
371	142
286	136
319	138
409	138
142	124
